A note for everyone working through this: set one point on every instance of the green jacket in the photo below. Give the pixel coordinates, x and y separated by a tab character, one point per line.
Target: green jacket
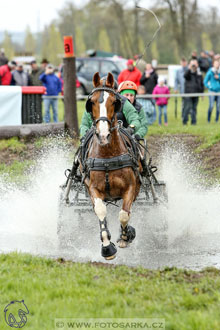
142	131
129	112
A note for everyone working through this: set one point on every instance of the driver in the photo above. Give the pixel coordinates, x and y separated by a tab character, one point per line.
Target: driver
129	90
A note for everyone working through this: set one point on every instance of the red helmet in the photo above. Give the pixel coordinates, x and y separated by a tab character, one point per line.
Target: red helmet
127	85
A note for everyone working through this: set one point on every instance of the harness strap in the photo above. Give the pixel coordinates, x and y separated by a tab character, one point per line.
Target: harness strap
110	164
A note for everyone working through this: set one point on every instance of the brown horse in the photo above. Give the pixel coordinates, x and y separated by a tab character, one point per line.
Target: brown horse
108	147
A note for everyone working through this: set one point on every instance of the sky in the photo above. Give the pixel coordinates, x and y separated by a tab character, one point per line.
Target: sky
16	15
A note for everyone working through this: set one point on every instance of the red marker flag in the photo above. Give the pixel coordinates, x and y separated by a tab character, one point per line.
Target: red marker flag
68	46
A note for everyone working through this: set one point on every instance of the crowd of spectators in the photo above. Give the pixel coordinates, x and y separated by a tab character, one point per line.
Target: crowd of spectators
196	73
14	74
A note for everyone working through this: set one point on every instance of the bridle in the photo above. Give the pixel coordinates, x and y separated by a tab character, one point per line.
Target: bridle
117	105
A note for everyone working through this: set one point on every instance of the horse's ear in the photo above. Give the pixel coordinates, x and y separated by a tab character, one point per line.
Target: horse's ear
96	80
110	80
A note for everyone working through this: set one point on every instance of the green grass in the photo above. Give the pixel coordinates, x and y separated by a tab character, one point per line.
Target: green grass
209	132
50	289
13	145
15	172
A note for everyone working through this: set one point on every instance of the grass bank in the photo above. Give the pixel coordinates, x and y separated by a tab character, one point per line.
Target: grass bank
53	289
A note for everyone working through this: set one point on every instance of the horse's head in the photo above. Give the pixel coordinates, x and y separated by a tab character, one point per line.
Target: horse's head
102	104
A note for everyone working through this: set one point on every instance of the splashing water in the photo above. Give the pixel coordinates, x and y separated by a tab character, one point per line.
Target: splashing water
30	214
185	233
193	208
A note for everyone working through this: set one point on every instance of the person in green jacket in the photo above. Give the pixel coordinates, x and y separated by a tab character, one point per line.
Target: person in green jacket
129	90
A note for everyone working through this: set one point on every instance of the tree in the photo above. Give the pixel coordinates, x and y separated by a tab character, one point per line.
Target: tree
103	41
30	43
154	50
181	12
80	46
55	45
8	46
206	42
52	45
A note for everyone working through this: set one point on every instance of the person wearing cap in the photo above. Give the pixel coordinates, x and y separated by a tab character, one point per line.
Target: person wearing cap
5	73
53	88
128	89
36	71
44	63
20	77
162	102
128	115
131	73
149	78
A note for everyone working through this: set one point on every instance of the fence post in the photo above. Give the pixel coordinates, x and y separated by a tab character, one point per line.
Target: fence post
69	79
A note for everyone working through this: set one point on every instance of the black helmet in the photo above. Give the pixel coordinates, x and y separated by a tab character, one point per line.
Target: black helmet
115	82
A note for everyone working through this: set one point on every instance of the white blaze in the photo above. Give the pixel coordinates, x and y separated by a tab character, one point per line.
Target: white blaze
103	125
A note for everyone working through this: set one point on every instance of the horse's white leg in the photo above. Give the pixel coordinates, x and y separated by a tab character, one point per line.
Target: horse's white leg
124	216
100	210
108	250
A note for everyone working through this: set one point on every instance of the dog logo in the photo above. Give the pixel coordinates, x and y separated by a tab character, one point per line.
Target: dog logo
15	314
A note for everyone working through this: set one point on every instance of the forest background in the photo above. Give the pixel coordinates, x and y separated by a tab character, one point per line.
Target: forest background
112	26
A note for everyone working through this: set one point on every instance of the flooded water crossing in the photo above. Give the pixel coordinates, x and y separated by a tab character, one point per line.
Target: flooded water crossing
184	233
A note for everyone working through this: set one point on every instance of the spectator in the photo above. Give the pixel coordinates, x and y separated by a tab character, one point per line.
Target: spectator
194	55
217	57
211	56
148	106
203	62
162	102
53	88
180	80
35	74
212	82
131	73
44	63
19	77
149	78
5	73
3	58
193	84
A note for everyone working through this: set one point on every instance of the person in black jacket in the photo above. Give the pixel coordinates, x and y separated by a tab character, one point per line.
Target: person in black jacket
193	84
149	79
204	63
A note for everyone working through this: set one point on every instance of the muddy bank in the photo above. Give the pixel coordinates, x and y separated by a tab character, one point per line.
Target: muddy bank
210	157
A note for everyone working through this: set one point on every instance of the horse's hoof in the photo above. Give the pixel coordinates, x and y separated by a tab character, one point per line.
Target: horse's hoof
127	235
122	243
109	251
110	258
